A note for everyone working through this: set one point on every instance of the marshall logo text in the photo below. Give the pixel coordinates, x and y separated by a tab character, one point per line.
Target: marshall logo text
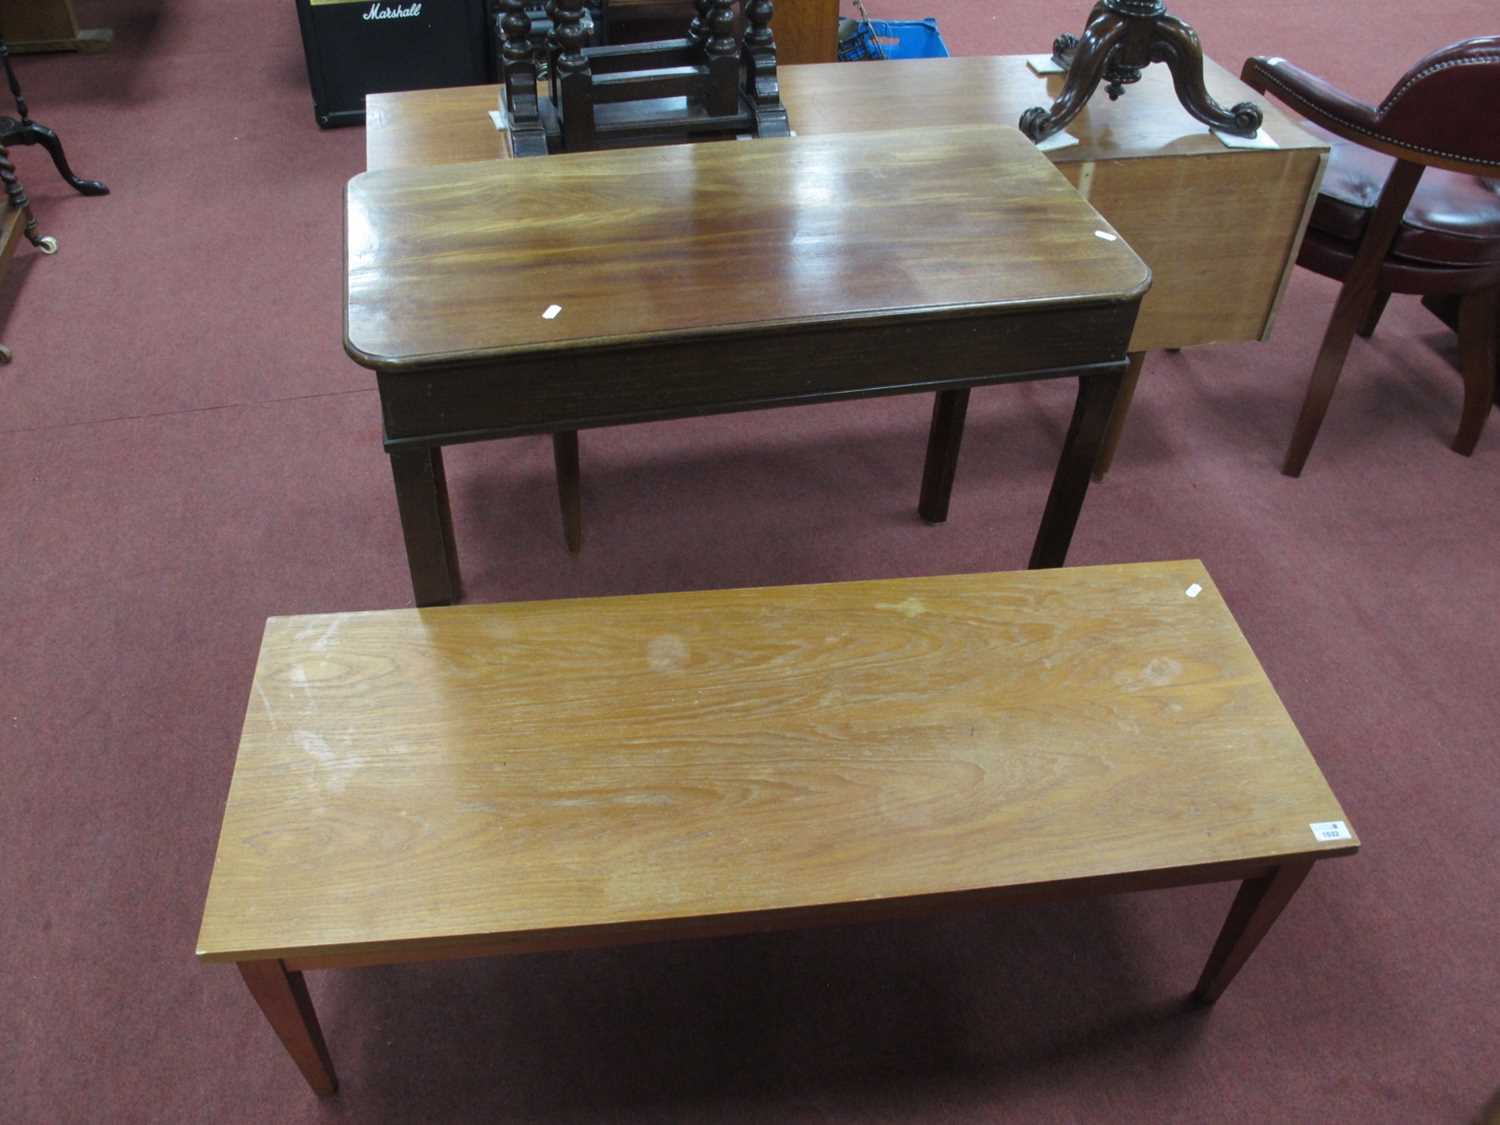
380	11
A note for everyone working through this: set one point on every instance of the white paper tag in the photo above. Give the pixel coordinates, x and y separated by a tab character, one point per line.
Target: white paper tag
1331	830
1194	590
1043	64
1262	139
552	311
1057	140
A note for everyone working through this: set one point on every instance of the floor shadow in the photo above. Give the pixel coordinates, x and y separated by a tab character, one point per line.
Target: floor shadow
796	496
852	1014
68	78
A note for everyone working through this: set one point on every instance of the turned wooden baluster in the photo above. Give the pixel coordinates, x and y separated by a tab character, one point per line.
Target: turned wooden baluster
758	15
761	83
518	69
574	79
15	194
698	28
723	55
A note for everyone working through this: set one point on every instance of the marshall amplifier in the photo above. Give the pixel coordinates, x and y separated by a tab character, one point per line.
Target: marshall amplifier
359	47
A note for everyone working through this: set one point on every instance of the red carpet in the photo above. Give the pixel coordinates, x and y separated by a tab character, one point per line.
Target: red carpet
186	450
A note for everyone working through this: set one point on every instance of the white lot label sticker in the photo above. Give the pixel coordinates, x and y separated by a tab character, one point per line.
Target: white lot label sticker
1194	590
552	311
1331	830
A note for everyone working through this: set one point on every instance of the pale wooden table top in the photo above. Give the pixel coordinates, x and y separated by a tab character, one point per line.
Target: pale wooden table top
463	260
412	777
420	128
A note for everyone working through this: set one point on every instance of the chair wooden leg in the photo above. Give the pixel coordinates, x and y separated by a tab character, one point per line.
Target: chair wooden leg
1348	312
1361	291
1476	358
1117	417
1372	318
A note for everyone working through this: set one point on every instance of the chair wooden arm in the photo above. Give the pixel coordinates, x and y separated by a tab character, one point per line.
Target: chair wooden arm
1423	118
1319	101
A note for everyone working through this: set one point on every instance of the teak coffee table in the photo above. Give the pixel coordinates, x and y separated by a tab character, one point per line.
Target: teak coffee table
423	784
590	289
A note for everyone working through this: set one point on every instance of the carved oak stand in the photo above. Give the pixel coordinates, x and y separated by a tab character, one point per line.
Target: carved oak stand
1121	39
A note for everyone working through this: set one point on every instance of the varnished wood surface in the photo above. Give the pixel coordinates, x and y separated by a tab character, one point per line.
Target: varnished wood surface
420	128
1218	227
459	262
807	31
412	779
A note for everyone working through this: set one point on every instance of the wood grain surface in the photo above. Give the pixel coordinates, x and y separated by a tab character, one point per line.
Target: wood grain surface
415	777
1219	227
420	128
461	262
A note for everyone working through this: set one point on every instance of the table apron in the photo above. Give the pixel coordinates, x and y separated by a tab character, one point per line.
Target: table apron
769	921
451	403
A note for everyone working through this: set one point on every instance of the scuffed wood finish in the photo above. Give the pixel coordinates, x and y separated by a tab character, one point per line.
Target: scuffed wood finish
1220	228
457	264
416	782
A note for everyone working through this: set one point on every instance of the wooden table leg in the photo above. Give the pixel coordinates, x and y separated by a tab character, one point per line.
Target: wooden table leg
565	461
1117	416
1096	397
283	997
427	524
943	440
1257	905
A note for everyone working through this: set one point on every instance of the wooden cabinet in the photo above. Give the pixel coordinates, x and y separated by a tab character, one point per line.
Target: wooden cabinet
48	25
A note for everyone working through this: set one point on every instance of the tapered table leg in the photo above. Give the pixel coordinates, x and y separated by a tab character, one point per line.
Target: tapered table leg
1096	398
565	461
1255	908
283	997
1117	416
943	441
426	524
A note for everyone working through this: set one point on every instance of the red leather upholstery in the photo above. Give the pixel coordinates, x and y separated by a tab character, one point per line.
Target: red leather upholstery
1410	203
1446	103
1452	220
1442	107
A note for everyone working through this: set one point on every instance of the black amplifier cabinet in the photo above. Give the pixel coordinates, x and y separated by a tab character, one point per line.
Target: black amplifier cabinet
359	47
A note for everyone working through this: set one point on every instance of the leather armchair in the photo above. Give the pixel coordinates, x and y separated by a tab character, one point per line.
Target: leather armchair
1410	203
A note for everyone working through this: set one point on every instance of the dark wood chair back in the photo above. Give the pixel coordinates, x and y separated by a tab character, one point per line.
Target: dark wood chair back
1442	114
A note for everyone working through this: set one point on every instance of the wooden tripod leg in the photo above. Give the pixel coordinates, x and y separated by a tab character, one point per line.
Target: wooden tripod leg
1104	30
283	997
1255	908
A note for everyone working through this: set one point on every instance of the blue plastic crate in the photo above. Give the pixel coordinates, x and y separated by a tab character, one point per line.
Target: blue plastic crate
894	39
